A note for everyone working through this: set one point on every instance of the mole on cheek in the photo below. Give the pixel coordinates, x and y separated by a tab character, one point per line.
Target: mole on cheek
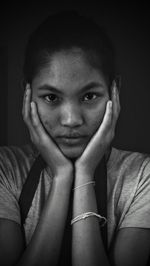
47	124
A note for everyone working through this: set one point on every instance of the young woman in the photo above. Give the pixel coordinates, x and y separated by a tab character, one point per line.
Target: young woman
71	106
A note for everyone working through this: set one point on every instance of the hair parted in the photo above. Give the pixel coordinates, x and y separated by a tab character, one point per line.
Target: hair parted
63	31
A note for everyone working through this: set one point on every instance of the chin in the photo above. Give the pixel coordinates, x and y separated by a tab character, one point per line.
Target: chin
72	152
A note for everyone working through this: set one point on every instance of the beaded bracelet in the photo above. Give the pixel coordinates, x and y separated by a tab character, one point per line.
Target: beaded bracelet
86	215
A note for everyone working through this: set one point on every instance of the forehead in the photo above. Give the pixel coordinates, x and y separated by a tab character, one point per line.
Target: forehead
68	68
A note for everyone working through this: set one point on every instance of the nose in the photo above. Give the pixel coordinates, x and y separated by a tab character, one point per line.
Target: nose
71	115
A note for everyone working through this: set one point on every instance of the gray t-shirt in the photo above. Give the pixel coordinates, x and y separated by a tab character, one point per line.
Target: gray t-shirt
128	175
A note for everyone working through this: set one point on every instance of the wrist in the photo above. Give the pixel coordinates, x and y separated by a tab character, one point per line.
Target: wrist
64	178
82	177
62	171
65	174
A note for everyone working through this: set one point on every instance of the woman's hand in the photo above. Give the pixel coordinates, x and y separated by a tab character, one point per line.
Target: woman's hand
101	140
58	164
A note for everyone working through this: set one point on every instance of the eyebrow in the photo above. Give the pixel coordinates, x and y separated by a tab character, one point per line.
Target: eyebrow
91	85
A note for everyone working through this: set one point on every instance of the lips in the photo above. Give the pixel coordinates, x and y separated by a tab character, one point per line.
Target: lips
71	140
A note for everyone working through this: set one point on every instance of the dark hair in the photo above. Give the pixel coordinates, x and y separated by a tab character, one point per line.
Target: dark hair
66	30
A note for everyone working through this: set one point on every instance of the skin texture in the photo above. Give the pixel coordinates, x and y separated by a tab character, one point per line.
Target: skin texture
72	110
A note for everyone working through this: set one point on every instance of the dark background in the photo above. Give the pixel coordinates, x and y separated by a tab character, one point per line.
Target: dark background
128	25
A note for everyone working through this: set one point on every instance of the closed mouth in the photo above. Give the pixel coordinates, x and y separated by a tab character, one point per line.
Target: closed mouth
72	136
71	140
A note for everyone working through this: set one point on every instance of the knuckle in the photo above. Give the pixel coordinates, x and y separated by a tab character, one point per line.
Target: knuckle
43	140
112	134
27	123
23	113
35	123
33	139
25	117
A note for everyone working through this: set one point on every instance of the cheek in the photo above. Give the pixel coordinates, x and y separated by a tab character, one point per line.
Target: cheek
96	121
96	116
48	120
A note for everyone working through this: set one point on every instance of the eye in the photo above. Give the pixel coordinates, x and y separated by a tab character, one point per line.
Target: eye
90	96
51	98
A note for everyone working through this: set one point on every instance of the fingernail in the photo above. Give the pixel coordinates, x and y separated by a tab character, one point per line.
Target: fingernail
114	85
28	87
114	88
118	82
32	104
110	104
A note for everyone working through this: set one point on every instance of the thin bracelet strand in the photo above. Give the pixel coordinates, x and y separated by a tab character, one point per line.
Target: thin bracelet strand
88	183
86	215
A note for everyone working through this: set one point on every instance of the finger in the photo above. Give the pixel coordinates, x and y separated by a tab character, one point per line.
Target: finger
26	112
106	123
116	105
102	132
44	141
114	98
36	120
107	120
118	101
26	105
24	99
38	128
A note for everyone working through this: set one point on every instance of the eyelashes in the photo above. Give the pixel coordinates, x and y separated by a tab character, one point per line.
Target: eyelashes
51	97
89	97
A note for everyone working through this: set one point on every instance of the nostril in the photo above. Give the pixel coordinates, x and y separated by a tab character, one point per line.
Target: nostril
71	119
71	115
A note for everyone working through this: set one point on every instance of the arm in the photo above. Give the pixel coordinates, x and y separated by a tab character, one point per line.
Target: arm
87	238
44	247
87	246
131	247
45	244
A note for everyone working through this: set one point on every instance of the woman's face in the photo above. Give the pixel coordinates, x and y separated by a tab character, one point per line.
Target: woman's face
71	97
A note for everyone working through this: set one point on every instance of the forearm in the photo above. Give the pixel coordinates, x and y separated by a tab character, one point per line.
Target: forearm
87	245
45	245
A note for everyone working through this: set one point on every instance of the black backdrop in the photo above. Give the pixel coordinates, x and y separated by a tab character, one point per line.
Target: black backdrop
129	28
3	94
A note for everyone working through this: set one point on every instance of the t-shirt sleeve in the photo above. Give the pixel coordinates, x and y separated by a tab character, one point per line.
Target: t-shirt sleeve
9	207
138	214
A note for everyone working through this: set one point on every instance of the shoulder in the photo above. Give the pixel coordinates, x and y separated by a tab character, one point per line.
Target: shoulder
128	178
11	152
14	154
16	161
128	162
